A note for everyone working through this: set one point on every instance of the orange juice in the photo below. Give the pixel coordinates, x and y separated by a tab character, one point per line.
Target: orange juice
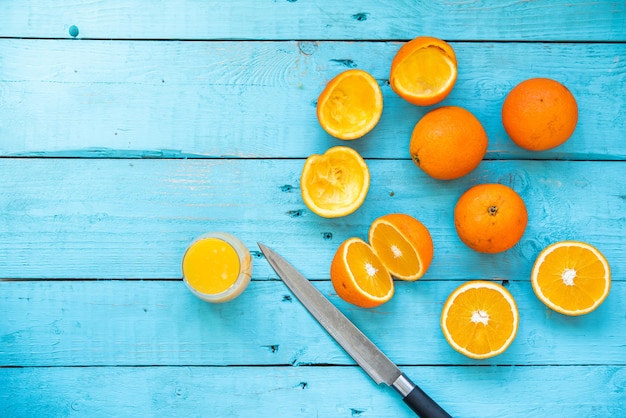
217	267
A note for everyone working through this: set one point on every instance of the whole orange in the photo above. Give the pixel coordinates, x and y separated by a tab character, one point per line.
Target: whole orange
448	143
490	218
539	114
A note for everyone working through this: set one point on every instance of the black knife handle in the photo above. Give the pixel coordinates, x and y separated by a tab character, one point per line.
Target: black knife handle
423	405
418	400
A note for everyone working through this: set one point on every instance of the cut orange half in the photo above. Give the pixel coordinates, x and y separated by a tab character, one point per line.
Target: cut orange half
571	277
403	244
350	105
335	183
358	275
480	319
423	71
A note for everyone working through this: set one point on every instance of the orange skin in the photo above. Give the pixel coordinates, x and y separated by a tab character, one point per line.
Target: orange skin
341	277
339	171
539	114
448	143
590	286
490	218
417	234
352	94
408	49
463	334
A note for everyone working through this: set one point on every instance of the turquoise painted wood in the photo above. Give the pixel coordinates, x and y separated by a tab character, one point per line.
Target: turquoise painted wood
80	211
266	326
129	128
309	391
257	99
576	20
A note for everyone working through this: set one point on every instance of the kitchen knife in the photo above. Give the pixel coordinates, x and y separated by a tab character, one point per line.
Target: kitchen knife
373	361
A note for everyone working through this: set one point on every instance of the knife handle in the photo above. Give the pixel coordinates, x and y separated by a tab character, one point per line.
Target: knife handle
418	400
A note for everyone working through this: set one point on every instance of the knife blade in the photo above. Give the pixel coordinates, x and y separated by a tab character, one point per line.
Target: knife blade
369	357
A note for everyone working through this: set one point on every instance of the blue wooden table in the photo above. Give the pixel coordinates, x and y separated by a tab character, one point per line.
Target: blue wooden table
129	128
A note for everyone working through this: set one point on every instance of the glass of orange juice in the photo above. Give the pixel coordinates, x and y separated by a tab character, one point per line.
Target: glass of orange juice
217	267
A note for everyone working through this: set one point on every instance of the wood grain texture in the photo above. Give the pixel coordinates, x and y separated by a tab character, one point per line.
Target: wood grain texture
129	128
309	391
82	218
257	100
557	20
160	323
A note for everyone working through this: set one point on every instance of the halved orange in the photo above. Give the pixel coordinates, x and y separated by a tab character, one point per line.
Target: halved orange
571	277
350	105
358	275
423	71
480	319
335	183
403	244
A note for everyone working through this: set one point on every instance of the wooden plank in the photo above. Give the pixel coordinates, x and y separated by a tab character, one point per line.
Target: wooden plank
257	99
144	323
308	391
81	218
323	19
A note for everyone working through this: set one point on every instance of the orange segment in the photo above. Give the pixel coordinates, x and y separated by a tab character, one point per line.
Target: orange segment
335	183
480	319
571	277
350	105
358	275
424	71
403	244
